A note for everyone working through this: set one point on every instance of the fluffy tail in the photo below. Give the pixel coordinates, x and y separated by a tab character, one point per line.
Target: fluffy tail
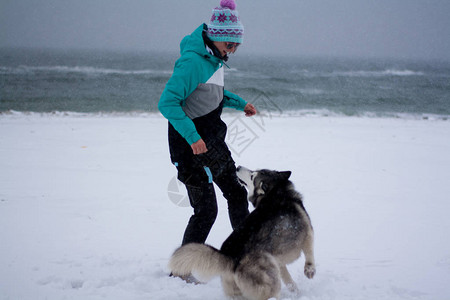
204	261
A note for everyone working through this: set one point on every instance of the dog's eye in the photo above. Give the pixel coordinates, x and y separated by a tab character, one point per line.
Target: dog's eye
251	177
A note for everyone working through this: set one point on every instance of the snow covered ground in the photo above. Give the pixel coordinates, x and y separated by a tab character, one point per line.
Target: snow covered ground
89	208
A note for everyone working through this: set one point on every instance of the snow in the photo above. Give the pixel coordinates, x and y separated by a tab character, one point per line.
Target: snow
89	209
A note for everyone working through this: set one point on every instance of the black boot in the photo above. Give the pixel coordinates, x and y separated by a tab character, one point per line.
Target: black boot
188	278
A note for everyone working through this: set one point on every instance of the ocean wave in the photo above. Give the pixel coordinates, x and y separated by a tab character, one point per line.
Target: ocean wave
89	70
308	91
79	70
387	72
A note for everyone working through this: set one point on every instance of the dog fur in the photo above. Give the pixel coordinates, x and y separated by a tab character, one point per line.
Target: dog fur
252	260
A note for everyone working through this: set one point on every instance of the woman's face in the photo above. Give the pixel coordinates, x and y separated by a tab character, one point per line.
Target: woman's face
226	47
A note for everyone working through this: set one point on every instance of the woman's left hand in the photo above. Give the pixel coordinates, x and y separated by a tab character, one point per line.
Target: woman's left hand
249	110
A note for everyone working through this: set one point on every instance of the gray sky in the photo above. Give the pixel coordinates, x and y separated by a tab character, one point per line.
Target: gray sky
392	28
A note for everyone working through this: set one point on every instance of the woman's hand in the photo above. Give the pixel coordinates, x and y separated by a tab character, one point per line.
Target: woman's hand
199	147
249	110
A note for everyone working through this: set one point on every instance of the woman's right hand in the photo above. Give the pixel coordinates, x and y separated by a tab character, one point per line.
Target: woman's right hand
199	147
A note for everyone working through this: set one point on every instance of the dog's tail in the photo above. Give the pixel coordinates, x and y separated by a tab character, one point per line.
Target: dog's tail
202	260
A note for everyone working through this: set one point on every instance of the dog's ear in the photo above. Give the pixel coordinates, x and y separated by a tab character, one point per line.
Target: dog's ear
285	175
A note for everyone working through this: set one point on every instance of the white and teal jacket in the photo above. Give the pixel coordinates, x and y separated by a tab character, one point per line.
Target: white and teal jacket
196	87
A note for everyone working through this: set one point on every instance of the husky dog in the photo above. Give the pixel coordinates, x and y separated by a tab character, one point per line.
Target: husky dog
252	260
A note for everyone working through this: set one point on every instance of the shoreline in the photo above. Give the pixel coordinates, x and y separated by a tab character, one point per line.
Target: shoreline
318	113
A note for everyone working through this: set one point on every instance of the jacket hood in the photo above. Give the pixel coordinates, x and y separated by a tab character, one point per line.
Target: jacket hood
194	42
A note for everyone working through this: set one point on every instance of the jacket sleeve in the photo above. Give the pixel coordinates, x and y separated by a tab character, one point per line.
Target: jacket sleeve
233	101
185	79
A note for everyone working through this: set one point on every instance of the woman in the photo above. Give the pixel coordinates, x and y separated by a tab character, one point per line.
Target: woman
192	101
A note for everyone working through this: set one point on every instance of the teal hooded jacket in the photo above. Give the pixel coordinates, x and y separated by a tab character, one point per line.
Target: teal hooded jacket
192	70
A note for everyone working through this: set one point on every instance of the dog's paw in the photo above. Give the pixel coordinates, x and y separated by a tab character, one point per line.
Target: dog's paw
310	270
292	287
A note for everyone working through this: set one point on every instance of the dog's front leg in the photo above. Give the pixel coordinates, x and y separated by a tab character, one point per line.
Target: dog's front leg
287	279
308	250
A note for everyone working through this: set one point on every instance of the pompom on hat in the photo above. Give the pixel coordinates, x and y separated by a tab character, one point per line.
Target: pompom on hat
225	25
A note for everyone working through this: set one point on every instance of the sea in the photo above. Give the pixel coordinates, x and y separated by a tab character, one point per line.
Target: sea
131	82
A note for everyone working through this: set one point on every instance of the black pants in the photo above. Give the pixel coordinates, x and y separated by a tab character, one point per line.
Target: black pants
203	200
199	172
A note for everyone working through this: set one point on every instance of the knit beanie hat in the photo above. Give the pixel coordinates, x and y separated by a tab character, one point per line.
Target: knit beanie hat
225	25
